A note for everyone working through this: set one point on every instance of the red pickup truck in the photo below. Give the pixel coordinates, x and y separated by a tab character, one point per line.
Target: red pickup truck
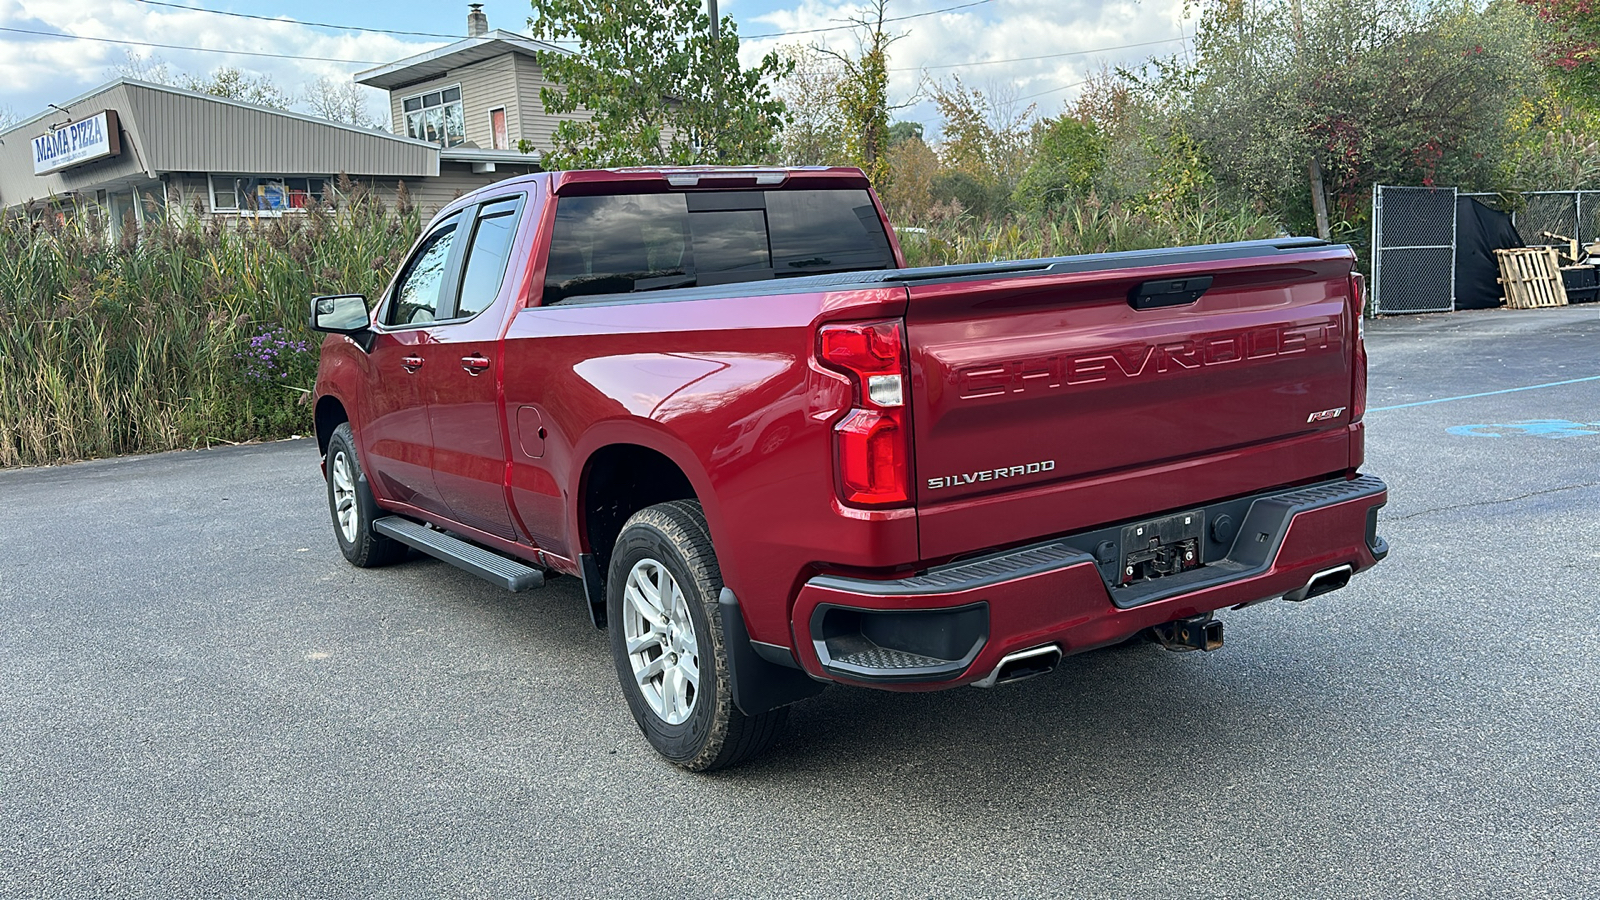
777	458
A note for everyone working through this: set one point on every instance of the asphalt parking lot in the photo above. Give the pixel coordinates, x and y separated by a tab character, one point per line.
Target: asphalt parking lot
199	698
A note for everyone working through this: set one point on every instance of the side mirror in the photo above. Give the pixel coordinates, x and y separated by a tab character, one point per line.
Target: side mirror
340	314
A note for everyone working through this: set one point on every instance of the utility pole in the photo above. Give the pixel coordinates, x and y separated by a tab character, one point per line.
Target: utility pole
716	60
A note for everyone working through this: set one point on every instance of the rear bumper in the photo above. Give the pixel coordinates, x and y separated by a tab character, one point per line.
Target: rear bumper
952	625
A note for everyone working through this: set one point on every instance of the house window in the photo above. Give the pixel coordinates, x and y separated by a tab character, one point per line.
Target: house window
264	195
497	128
436	116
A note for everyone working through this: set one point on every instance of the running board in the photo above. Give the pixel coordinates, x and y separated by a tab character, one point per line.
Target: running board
486	564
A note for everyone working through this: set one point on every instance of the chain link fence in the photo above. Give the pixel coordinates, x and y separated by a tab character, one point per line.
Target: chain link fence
1413	249
1552	218
1414	238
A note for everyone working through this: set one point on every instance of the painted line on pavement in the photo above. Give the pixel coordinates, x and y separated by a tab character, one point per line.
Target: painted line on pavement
1531	387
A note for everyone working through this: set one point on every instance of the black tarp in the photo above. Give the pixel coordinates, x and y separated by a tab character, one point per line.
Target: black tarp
1479	232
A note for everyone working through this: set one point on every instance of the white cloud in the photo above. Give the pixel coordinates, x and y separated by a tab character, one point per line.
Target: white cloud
36	71
39	70
1003	35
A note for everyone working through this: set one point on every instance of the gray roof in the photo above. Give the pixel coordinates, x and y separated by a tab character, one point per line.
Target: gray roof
437	62
168	129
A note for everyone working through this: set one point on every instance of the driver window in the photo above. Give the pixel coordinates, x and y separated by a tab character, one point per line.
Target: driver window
416	299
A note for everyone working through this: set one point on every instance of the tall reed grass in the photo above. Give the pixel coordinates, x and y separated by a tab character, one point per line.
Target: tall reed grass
191	333
1084	226
182	334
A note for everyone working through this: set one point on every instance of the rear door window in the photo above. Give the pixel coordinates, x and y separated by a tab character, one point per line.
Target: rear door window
643	242
485	269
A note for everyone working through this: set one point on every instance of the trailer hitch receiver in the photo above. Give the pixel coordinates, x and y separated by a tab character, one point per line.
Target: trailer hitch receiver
1196	633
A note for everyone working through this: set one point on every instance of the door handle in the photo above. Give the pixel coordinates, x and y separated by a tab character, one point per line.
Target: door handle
475	365
411	363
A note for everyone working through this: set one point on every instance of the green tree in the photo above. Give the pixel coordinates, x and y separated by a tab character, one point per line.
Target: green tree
913	167
1573	48
863	94
657	87
984	144
1068	156
1363	90
814	134
984	133
900	132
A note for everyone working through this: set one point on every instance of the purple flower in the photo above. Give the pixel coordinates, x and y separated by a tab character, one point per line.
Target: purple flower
272	356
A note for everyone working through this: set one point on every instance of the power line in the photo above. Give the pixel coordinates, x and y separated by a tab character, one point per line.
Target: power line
931	12
991	62
1053	90
458	37
283	21
296	56
84	37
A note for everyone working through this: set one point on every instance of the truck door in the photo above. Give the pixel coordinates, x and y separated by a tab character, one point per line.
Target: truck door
469	446
397	438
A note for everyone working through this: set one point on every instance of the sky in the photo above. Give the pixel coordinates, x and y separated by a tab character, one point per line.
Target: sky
1032	51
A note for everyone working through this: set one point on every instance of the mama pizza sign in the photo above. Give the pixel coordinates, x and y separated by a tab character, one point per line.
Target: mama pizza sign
76	143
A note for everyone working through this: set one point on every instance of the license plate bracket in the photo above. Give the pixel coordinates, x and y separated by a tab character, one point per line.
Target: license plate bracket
1160	547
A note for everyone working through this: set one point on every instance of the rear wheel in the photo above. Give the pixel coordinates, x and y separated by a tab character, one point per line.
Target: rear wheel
666	637
353	507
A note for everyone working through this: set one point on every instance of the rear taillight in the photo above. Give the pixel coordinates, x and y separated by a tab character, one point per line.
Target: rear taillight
872	444
1358	390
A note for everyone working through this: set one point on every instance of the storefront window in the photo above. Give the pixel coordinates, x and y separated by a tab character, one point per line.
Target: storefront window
267	195
436	117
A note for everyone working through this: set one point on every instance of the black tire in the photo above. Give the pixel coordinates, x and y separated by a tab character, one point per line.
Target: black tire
362	546
715	733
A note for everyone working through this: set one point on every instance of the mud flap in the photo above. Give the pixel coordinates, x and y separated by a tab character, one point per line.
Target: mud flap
758	685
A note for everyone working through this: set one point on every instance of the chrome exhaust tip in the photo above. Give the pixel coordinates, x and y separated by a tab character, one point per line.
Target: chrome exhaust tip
1022	665
1323	582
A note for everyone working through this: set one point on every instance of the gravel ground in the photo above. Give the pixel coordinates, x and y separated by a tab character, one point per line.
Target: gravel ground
199	698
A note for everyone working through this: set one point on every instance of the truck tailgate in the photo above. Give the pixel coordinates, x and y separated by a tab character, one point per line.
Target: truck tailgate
1045	403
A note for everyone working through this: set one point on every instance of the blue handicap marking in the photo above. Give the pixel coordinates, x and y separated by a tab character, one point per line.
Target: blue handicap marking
1545	428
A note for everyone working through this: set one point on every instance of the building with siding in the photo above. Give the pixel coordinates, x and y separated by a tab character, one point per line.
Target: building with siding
481	92
137	150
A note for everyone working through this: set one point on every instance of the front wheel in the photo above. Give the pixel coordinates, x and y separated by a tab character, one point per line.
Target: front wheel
666	637
353	507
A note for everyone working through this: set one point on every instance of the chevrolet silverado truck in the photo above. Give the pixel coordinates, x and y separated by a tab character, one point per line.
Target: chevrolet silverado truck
778	458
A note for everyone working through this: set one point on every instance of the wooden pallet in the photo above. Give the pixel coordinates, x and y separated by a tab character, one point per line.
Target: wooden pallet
1531	277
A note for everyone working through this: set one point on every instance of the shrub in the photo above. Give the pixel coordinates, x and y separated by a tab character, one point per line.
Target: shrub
191	335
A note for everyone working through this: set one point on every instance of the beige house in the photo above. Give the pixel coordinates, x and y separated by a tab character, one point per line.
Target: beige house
481	93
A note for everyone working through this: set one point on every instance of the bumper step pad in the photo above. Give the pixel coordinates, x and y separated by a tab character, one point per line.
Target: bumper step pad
486	564
888	659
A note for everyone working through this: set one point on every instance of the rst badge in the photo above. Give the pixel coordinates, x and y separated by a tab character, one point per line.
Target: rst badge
949	481
1326	415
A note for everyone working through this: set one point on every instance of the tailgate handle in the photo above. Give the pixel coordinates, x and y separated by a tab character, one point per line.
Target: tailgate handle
1169	292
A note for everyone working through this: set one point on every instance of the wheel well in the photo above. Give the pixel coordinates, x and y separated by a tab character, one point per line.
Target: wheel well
330	414
621	480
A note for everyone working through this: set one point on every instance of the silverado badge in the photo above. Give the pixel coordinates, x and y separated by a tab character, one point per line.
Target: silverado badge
947	481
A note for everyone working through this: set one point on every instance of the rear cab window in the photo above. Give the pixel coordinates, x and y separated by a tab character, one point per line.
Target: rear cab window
629	243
